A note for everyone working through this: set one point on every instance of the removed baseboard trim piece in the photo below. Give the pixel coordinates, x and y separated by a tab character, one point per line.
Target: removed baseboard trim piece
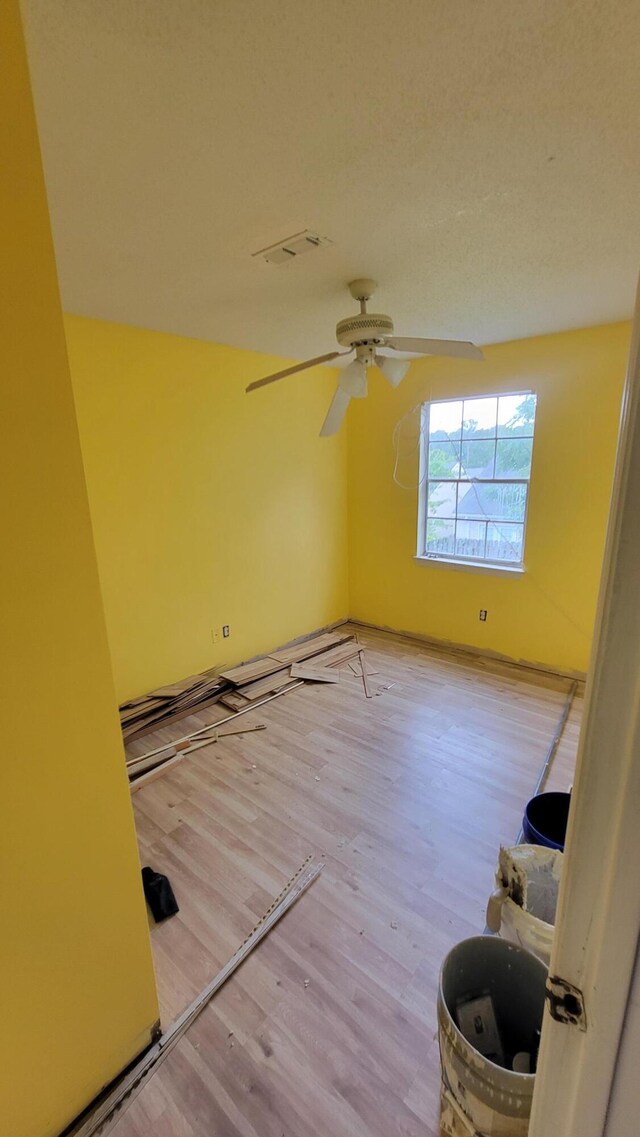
477	653
365	680
162	768
141	765
107	1112
241	730
136	770
552	748
337	656
356	669
159	766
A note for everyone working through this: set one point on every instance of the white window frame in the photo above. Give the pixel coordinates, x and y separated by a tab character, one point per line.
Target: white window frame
458	560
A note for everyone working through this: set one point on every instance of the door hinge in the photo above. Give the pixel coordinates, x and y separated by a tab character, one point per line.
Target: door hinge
566	1002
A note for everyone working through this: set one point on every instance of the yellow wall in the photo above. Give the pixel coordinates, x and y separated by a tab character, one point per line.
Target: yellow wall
209	506
212	507
546	615
78	993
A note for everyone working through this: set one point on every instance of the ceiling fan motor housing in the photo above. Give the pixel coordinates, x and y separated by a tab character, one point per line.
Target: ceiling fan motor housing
368	327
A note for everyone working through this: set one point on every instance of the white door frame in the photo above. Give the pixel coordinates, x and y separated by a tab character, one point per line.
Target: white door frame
598	919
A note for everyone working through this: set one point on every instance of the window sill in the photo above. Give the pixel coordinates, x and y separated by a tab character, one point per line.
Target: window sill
472	566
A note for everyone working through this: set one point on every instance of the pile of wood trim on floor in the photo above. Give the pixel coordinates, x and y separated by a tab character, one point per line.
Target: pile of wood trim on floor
314	660
238	687
167	704
248	687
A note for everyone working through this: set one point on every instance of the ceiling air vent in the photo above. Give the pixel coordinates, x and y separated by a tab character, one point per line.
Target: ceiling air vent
296	246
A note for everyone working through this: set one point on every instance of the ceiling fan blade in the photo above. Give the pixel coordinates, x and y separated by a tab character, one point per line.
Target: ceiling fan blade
336	412
463	349
292	370
394	370
353	380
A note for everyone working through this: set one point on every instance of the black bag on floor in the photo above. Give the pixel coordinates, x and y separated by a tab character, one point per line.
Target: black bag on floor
159	894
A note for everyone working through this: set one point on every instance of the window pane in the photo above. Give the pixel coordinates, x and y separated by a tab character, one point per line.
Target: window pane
516	415
441	499
479	418
470	539
504	542
445	420
513	457
503	502
441	537
444	459
477	459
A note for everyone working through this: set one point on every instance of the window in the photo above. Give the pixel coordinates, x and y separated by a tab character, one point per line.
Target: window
475	470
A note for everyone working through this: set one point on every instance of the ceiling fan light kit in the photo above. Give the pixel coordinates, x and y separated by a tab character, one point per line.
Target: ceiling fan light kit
364	333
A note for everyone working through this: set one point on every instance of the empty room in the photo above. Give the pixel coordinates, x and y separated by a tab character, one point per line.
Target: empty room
321	617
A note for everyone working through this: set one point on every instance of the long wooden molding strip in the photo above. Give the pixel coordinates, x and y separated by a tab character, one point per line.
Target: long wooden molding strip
557	735
138	766
144	764
214	725
158	766
365	678
110	1109
157	771
553	746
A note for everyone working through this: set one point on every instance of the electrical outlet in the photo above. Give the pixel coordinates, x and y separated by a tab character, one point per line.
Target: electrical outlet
483	614
215	635
226	631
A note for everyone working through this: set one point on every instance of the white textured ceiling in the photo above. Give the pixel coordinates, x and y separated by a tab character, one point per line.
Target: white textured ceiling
480	158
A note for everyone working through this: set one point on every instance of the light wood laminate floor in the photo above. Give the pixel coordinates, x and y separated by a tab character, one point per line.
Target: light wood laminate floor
328	1029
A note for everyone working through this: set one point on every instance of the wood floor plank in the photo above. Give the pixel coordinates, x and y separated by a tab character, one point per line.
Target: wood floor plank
329	1026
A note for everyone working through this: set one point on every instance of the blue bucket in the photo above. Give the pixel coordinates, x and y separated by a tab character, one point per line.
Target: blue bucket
545	820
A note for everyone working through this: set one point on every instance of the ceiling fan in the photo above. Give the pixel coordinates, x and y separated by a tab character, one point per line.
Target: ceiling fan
365	333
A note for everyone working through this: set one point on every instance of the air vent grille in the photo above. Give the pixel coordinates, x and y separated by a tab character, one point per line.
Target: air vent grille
291	247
